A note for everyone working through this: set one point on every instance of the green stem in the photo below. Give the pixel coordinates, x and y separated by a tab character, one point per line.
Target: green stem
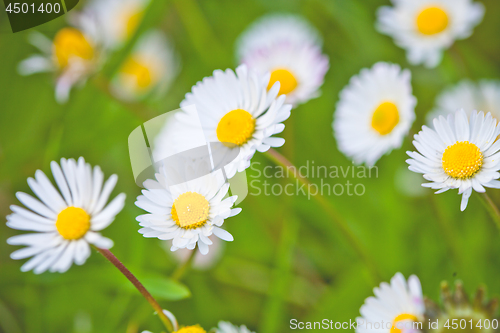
124	270
183	267
492	209
336	218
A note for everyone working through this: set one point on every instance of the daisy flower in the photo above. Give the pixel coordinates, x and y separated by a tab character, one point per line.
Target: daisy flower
186	212
75	54
237	110
65	221
290	49
468	95
226	327
426	27
395	307
118	19
152	65
374	113
458	153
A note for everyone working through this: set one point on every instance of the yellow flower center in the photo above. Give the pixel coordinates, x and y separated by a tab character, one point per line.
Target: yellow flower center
404	316
462	160
191	329
385	118
141	73
73	223
235	128
287	81
190	210
432	20
133	22
69	43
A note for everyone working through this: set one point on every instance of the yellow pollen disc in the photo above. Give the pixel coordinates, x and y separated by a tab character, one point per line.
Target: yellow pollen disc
191	329
235	128
462	160
432	20
141	73
190	210
133	22
73	223
385	118
69	43
401	317
287	81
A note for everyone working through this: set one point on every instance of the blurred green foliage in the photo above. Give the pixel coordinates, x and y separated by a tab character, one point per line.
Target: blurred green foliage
288	259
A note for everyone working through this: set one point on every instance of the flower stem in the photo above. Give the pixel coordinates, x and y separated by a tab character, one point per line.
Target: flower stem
492	209
183	267
124	270
341	223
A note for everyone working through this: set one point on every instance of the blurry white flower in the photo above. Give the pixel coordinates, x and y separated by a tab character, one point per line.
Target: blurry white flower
236	110
226	327
75	54
374	113
152	65
395	307
66	221
186	212
426	27
290	49
458	153
470	96
118	19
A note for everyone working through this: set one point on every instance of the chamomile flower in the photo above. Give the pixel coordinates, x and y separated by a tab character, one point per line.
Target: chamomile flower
65	221
468	95
375	112
237	110
186	212
226	327
290	49
458	153
118	19
395	307
74	54
426	27
152	65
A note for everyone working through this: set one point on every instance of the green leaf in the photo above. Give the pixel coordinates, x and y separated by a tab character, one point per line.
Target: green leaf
163	288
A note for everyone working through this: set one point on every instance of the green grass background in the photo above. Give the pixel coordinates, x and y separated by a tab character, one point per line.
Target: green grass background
289	259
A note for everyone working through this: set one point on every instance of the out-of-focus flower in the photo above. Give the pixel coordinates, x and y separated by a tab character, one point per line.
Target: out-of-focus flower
238	111
470	96
118	19
75	54
186	212
426	27
290	49
479	315
151	66
395	307
375	112
226	327
458	153
64	225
